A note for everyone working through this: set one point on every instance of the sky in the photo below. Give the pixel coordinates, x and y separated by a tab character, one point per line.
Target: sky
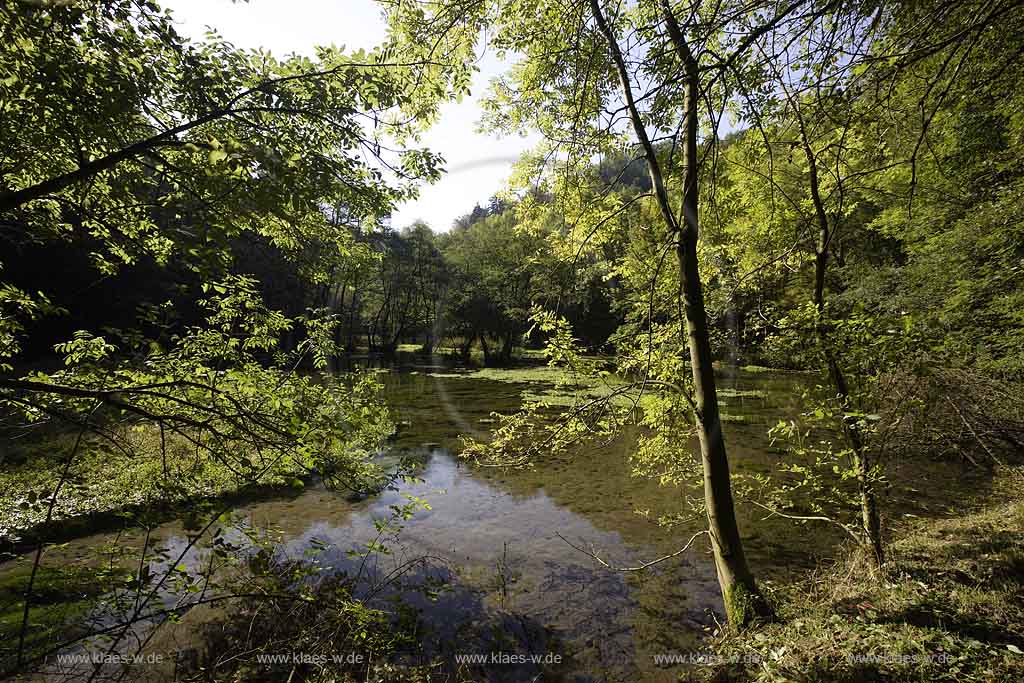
477	164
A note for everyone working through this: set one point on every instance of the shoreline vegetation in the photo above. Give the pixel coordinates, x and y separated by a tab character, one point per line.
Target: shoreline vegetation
948	606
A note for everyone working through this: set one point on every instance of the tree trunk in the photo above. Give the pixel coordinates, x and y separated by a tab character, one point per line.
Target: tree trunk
871	525
506	347
743	600
486	348
467	345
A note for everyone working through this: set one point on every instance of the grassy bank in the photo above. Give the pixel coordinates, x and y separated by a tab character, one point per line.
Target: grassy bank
105	482
948	607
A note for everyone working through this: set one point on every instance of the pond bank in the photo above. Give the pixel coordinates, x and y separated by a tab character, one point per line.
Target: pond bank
948	606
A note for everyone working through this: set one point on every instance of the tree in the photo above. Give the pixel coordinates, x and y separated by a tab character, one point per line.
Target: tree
839	117
495	268
412	287
590	70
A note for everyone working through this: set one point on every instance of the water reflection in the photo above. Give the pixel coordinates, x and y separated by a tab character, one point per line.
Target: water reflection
503	555
492	538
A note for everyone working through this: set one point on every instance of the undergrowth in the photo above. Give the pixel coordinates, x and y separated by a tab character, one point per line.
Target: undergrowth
948	606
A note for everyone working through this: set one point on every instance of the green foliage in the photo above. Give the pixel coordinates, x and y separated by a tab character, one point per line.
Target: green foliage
495	279
220	141
17	308
138	151
201	417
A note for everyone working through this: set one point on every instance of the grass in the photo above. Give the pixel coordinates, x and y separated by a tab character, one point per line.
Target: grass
949	606
757	368
104	479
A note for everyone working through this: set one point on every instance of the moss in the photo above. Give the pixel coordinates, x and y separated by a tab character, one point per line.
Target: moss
737	606
744	607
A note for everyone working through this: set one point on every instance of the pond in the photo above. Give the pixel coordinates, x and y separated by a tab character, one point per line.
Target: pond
502	542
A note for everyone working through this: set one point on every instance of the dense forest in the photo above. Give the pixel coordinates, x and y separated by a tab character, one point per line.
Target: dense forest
741	342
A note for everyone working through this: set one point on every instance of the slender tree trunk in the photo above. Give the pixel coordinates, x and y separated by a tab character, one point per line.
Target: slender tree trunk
396	339
871	524
507	346
354	317
743	600
486	348
338	307
467	344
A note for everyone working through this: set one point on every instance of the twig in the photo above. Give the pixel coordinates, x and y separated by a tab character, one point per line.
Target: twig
816	518
974	433
641	566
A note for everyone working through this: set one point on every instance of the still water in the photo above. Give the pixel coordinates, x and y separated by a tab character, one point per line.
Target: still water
499	541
